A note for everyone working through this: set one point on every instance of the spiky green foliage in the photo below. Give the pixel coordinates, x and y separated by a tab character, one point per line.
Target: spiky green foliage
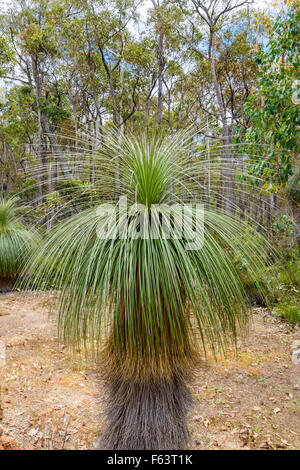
16	241
149	301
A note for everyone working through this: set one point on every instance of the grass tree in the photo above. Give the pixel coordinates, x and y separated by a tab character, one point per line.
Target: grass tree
145	303
16	243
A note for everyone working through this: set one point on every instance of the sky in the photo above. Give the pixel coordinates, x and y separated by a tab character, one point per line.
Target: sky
259	4
144	7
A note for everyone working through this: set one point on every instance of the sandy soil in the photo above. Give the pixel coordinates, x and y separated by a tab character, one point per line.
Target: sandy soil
50	398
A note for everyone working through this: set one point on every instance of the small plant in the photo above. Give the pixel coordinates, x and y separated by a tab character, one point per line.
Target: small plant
16	243
288	311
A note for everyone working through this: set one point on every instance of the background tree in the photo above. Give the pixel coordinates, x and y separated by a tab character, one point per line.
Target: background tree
273	110
212	15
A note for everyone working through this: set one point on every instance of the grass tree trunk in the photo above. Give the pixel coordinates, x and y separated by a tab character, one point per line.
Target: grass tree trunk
148	396
146	410
6	285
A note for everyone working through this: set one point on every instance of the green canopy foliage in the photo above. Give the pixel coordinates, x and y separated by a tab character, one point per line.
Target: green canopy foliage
274	109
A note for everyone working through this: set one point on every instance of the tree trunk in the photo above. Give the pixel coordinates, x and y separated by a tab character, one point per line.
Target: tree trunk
161	66
227	170
148	410
66	172
38	94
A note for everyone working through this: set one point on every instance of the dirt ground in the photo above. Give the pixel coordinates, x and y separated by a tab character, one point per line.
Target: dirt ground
51	399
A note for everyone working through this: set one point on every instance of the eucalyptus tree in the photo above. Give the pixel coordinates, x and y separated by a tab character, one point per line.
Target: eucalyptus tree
141	289
236	66
272	109
205	21
99	30
161	19
159	7
34	41
17	126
